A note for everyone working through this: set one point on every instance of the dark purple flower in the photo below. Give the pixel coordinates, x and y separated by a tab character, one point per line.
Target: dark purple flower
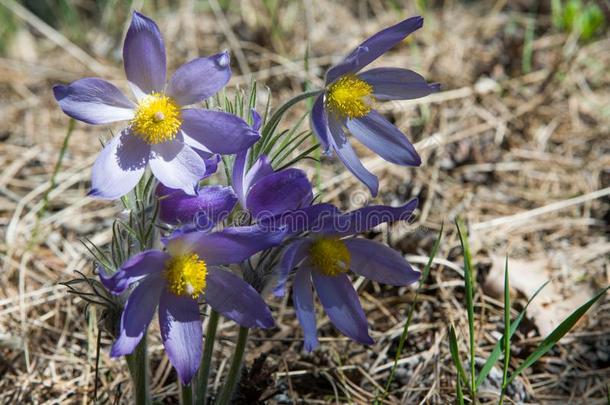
175	279
349	99
324	257
160	131
265	192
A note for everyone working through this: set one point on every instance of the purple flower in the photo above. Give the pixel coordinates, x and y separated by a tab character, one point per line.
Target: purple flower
324	257
349	99
264	192
175	279
160	131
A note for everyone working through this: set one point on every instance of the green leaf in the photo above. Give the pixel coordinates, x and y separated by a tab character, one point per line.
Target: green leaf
455	355
495	354
557	334
506	339
469	286
460	394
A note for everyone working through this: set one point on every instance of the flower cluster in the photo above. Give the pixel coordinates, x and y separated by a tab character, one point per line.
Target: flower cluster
227	245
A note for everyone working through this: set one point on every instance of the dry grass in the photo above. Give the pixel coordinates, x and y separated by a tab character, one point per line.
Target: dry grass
522	156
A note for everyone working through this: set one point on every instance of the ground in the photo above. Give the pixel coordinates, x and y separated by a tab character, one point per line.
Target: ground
516	143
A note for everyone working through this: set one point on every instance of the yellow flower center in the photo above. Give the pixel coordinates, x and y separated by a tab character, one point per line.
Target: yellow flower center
186	275
350	97
157	119
330	256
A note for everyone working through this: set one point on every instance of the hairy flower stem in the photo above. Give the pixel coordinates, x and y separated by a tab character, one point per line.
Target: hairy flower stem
187	394
206	360
137	363
235	369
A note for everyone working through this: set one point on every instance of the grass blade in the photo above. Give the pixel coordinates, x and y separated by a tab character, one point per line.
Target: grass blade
557	334
506	338
459	393
455	355
469	286
495	354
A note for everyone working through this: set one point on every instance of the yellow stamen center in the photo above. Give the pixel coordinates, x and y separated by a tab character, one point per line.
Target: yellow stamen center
330	256
157	119
350	97
186	275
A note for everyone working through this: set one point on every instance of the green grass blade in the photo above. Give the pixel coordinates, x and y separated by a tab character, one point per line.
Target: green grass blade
557	334
459	393
455	355
495	354
506	338
469	286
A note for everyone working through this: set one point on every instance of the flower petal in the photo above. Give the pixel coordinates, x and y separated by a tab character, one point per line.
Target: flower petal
279	192
257	121
349	158
218	131
238	176
237	300
137	314
181	332
319	123
302	298
175	206
311	219
342	306
374	47
177	166
383	138
119	166
398	84
365	219
293	254
144	55
230	245
199	79
379	262
94	101
134	269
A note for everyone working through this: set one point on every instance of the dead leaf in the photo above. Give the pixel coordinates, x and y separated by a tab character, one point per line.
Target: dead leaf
550	307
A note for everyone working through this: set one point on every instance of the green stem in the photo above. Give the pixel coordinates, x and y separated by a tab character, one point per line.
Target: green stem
138	368
235	369
206	360
187	394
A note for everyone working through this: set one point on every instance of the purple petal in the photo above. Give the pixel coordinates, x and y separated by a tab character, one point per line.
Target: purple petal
279	192
134	269
199	79
218	131
302	298
379	262
383	138
94	101
175	206
257	121
237	300
349	158
137	314
119	166
237	177
374	47
260	168
398	84
365	219
294	253
144	55
306	219
319	123
181	332
231	245
342	306
177	166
